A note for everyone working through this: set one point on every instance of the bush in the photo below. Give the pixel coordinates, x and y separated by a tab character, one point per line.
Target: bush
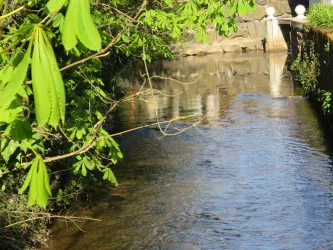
321	15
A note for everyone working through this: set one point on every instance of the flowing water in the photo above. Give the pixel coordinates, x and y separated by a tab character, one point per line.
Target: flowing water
256	174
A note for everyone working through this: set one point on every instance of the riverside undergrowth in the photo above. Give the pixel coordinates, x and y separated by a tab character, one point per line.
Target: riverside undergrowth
57	95
306	69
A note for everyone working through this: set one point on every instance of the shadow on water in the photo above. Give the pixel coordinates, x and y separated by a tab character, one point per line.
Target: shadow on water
258	174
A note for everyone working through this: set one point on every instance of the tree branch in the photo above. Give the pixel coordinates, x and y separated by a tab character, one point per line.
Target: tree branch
113	42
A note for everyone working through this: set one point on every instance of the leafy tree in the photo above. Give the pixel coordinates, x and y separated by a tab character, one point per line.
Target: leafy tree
54	99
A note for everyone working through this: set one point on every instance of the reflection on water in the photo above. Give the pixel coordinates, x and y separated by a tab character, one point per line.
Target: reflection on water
258	177
209	83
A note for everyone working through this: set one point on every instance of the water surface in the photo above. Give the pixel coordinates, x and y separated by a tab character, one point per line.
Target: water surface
256	175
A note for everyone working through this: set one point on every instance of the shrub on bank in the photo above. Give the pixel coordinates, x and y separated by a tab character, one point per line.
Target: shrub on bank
321	15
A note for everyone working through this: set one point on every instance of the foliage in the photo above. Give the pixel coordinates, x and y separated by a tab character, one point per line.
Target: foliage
55	105
306	68
326	100
321	15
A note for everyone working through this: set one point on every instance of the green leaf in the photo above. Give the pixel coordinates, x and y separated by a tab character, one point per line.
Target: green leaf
42	193
4	143
54	5
108	175
85	28
68	33
38	182
6	73
83	164
9	115
16	81
9	150
27	181
125	38
84	170
48	86
19	129
58	21
242	8
32	195
79	24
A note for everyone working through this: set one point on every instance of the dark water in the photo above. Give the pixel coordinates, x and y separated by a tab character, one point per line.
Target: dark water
258	174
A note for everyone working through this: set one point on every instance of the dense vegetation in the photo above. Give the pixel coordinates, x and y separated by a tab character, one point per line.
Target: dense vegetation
321	15
60	60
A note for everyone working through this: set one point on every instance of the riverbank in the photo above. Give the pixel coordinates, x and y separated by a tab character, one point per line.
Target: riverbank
312	53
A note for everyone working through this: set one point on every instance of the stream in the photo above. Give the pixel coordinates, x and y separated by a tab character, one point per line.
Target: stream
256	173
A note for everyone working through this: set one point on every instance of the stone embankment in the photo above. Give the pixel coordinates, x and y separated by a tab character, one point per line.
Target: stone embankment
251	32
304	37
315	45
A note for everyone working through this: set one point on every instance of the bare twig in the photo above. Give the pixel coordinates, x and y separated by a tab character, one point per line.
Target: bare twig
44	215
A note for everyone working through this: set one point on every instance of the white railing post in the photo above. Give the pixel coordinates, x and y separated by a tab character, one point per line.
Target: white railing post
275	40
300	10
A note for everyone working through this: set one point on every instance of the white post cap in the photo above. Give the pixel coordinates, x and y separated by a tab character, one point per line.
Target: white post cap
300	10
270	13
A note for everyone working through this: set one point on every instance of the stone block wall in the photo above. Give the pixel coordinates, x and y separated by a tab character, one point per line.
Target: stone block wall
322	42
251	32
304	38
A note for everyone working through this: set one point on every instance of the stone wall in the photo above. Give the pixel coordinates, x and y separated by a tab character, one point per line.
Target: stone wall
251	32
322	40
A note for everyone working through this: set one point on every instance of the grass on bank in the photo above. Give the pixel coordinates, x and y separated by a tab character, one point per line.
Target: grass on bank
321	15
